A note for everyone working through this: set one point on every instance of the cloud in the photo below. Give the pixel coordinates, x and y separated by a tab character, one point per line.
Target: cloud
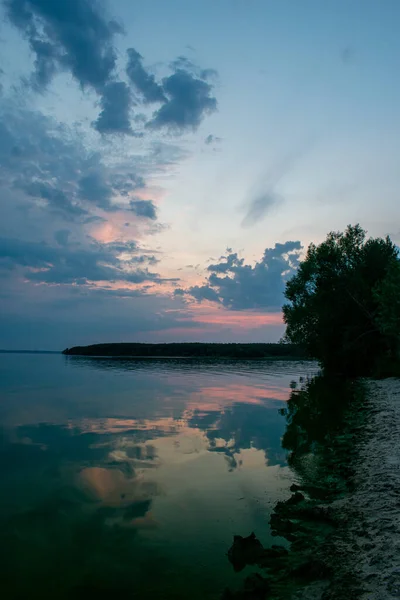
203	292
92	187
182	62
39	158
61	236
189	101
143	208
265	196
80	265
67	35
56	172
76	37
126	183
212	139
144	82
116	103
54	317
55	198
228	263
259	206
239	286
145	258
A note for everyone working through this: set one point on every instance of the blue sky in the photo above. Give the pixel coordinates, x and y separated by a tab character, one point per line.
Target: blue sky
164	164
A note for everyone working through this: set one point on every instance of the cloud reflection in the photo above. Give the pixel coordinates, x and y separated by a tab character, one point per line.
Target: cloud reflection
137	453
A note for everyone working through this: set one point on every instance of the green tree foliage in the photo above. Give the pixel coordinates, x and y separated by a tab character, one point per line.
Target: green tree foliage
343	303
388	298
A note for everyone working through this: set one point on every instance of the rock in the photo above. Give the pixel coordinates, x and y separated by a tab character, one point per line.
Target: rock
245	551
315	513
274	558
296	498
256	587
281	525
276	551
295	487
312	569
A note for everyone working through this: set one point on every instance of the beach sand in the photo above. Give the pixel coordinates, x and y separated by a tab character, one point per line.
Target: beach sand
374	535
364	553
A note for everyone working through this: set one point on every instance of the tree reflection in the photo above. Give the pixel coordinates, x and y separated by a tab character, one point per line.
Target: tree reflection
322	417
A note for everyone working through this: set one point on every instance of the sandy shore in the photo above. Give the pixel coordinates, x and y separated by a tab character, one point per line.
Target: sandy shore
364	554
374	536
367	543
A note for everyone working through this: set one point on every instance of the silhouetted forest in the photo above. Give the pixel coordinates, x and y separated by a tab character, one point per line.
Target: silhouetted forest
191	350
343	304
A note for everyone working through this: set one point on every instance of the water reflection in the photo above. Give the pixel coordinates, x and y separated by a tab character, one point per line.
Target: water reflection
322	417
115	470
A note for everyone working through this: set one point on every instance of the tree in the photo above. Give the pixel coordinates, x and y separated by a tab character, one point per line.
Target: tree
343	302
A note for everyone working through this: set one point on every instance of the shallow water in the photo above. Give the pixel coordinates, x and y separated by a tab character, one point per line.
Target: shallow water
130	477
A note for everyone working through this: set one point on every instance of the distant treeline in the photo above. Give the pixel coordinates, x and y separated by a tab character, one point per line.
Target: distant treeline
191	350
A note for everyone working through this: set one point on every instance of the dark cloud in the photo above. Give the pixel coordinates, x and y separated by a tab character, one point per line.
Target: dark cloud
56	172
116	103
239	286
126	183
55	198
120	247
80	265
45	64
179	292
61	236
189	101
59	316
144	82
212	139
38	158
75	36
145	258
143	208
259	206
228	263
93	187
204	292
67	35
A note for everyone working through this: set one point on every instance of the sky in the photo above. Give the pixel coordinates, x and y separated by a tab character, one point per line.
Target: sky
164	165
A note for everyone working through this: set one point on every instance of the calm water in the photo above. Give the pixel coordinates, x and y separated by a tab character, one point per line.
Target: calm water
130	478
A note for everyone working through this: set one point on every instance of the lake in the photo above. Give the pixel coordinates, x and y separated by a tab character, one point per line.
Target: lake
129	478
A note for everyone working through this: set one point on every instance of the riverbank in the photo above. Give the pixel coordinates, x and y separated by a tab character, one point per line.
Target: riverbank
372	536
363	553
343	518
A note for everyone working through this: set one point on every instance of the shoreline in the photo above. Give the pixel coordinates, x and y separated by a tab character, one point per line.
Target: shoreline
363	552
343	517
372	527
